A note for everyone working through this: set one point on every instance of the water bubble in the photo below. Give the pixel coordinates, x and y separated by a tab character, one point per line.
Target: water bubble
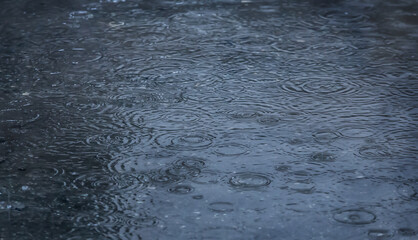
249	180
181	189
354	216
221	207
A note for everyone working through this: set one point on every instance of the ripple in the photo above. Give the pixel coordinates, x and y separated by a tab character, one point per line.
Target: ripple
377	234
185	142
321	86
356	132
162	177
131	118
249	180
103	181
374	151
325	136
80	15
344	16
231	149
221	207
183	171
269	119
408	191
114	139
218	96
18	117
216	232
407	232
174	118
323	157
243	114
354	216
207	177
192	162
305	187
181	189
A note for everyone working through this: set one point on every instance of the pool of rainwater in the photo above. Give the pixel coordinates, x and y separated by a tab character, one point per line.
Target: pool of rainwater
222	119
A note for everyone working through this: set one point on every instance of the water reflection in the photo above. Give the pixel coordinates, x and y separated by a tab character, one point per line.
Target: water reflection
205	120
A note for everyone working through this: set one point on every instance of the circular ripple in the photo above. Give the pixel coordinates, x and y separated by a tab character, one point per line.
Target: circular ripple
133	119
207	177
269	119
243	114
354	216
102	181
325	136
323	157
181	189
356	132
320	86
374	151
249	180
163	177
305	187
114	139
231	149
187	141
221	207
192	162
408	191
407	232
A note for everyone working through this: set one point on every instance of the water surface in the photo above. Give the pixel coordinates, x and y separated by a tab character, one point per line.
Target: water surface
225	119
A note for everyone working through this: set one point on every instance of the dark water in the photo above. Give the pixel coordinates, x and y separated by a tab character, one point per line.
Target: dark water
208	119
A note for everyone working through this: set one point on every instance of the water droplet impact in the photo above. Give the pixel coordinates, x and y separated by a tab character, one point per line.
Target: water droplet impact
181	189
354	216
221	207
185	142
249	180
304	187
408	232
378	234
408	191
323	157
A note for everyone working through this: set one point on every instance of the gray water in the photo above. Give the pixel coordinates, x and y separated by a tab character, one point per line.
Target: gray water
208	119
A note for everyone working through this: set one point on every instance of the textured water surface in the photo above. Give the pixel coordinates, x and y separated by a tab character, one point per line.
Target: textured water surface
226	119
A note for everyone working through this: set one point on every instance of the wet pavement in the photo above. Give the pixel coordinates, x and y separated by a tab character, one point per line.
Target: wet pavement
208	119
